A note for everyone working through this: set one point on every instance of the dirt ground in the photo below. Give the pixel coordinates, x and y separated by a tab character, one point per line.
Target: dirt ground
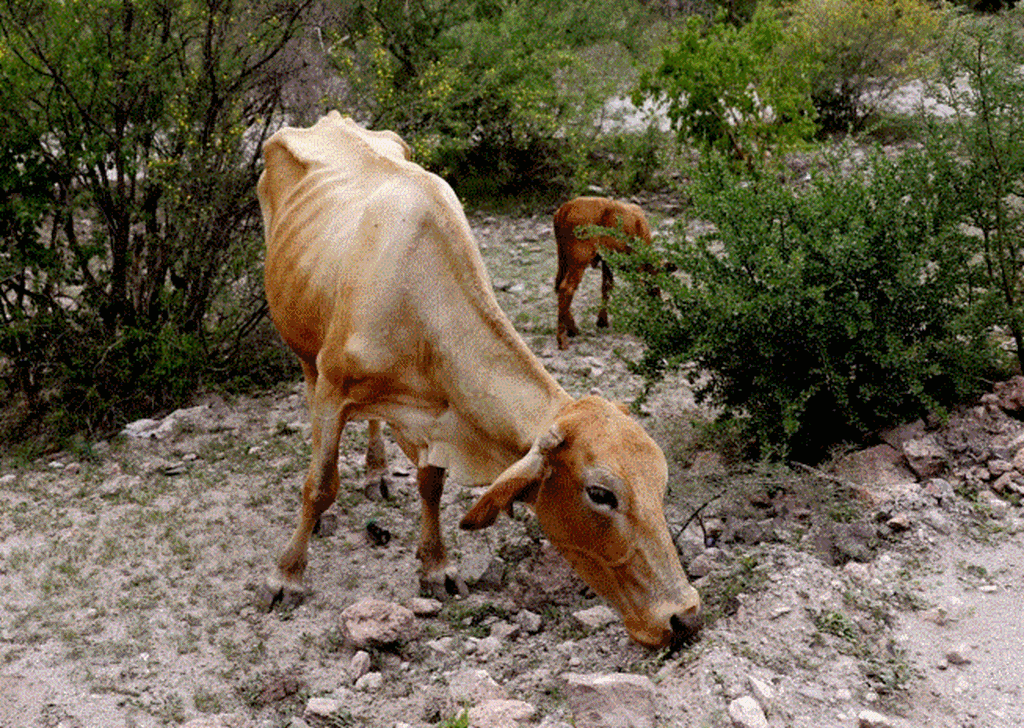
129	573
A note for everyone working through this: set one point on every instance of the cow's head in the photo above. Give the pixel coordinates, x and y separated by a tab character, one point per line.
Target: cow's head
596	481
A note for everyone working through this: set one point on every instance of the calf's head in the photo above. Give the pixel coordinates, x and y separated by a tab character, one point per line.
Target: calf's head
596	481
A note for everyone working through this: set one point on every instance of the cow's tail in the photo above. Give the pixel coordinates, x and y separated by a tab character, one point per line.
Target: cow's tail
562	265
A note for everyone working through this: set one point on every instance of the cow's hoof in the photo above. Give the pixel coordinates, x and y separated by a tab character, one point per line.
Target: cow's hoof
444	586
274	593
602	323
377	487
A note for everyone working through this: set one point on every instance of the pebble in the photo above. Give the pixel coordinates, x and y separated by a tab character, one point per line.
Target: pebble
958	655
871	719
763	692
746	713
370	682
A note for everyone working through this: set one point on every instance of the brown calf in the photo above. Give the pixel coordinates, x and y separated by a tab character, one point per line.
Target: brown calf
576	253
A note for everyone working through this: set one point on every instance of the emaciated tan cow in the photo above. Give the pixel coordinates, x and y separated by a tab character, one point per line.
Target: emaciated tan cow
375	281
577	253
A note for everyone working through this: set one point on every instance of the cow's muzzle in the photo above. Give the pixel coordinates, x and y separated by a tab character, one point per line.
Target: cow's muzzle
685	626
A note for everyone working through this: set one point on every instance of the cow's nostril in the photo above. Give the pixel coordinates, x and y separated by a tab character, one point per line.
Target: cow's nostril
685	625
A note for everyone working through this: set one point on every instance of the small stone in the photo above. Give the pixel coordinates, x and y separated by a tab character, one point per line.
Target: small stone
746	713
322	708
998	467
779	612
423	607
595	617
499	713
610	700
503	631
871	719
958	655
370	682
529	621
375	622
359	665
899	522
763	692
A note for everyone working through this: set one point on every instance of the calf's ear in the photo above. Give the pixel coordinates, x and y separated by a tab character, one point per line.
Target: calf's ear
519	482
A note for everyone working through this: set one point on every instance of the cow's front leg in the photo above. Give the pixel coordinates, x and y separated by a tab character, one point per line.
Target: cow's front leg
318	493
436	578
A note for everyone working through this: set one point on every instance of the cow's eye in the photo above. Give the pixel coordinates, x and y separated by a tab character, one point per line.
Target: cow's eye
602	497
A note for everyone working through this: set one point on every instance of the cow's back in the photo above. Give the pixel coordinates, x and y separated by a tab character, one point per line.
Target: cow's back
375	280
602	212
350	221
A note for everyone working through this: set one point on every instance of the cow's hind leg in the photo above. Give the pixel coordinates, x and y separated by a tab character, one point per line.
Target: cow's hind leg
607	283
318	493
436	578
376	463
566	290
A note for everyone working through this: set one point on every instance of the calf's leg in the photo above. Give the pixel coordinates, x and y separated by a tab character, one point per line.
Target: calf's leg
607	283
566	290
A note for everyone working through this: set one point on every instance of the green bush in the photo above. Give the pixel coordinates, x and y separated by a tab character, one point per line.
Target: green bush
494	97
130	234
819	314
982	152
859	51
726	88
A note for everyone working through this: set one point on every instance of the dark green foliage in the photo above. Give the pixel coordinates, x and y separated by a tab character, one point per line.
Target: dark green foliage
819	314
982	154
727	88
130	233
492	96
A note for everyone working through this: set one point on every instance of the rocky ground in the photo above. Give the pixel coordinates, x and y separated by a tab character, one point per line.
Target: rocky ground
882	589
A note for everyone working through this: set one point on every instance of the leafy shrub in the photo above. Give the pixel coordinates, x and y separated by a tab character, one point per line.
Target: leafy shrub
860	51
725	87
981	150
818	314
130	237
492	97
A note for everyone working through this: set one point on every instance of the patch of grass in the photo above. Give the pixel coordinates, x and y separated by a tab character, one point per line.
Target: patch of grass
456	721
207	701
836	624
722	590
473	618
890	673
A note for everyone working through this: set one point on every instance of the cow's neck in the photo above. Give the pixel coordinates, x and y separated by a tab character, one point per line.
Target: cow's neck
503	389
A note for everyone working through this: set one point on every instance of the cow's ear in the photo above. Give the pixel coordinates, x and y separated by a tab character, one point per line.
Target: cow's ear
520	482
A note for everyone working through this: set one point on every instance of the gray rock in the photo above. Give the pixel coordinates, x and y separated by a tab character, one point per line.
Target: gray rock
371	682
763	692
618	700
871	719
375	622
473	686
529	621
746	713
958	655
423	607
500	713
925	456
359	665
322	708
595	617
